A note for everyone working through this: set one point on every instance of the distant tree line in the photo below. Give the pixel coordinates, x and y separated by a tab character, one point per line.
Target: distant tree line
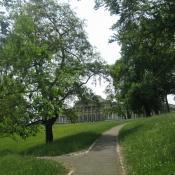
145	73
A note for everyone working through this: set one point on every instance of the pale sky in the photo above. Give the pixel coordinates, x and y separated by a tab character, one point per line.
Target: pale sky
98	29
98	24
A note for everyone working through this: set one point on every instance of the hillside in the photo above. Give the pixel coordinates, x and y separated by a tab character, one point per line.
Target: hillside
148	145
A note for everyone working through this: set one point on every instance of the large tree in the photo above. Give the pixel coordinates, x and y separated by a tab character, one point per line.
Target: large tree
146	33
46	59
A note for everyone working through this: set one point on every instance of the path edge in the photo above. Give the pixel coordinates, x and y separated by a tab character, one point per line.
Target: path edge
86	151
70	172
120	155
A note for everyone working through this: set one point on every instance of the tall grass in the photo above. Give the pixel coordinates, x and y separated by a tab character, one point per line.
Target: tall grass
149	145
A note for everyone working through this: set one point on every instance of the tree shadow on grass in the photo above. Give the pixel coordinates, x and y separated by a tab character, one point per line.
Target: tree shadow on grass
6	152
127	131
63	145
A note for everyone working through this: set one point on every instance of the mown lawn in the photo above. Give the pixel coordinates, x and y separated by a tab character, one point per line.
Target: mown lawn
17	156
149	145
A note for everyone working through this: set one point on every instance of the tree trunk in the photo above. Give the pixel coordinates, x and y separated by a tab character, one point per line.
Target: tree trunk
48	132
147	111
156	111
128	114
48	129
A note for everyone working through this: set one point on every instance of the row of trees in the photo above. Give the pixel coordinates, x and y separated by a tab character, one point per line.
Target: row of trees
145	74
45	62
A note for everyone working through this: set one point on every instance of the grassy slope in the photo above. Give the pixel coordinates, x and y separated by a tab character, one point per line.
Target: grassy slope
68	138
149	145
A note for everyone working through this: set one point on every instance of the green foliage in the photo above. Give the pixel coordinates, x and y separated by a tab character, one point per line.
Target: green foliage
148	145
146	69
71	114
13	109
47	60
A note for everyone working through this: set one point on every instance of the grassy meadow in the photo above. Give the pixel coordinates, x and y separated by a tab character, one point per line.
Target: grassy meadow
148	145
17	156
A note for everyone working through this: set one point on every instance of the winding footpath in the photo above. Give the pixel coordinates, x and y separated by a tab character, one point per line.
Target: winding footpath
101	158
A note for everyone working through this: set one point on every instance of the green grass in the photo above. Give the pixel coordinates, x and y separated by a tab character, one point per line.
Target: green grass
67	138
149	145
15	155
20	165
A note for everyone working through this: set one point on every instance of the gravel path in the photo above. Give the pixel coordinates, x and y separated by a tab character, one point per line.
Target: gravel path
101	159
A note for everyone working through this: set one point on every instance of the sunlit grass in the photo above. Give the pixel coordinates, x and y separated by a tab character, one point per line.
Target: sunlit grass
20	165
67	138
149	145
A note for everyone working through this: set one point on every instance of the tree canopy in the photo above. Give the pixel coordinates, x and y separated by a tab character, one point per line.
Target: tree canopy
46	60
145	74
